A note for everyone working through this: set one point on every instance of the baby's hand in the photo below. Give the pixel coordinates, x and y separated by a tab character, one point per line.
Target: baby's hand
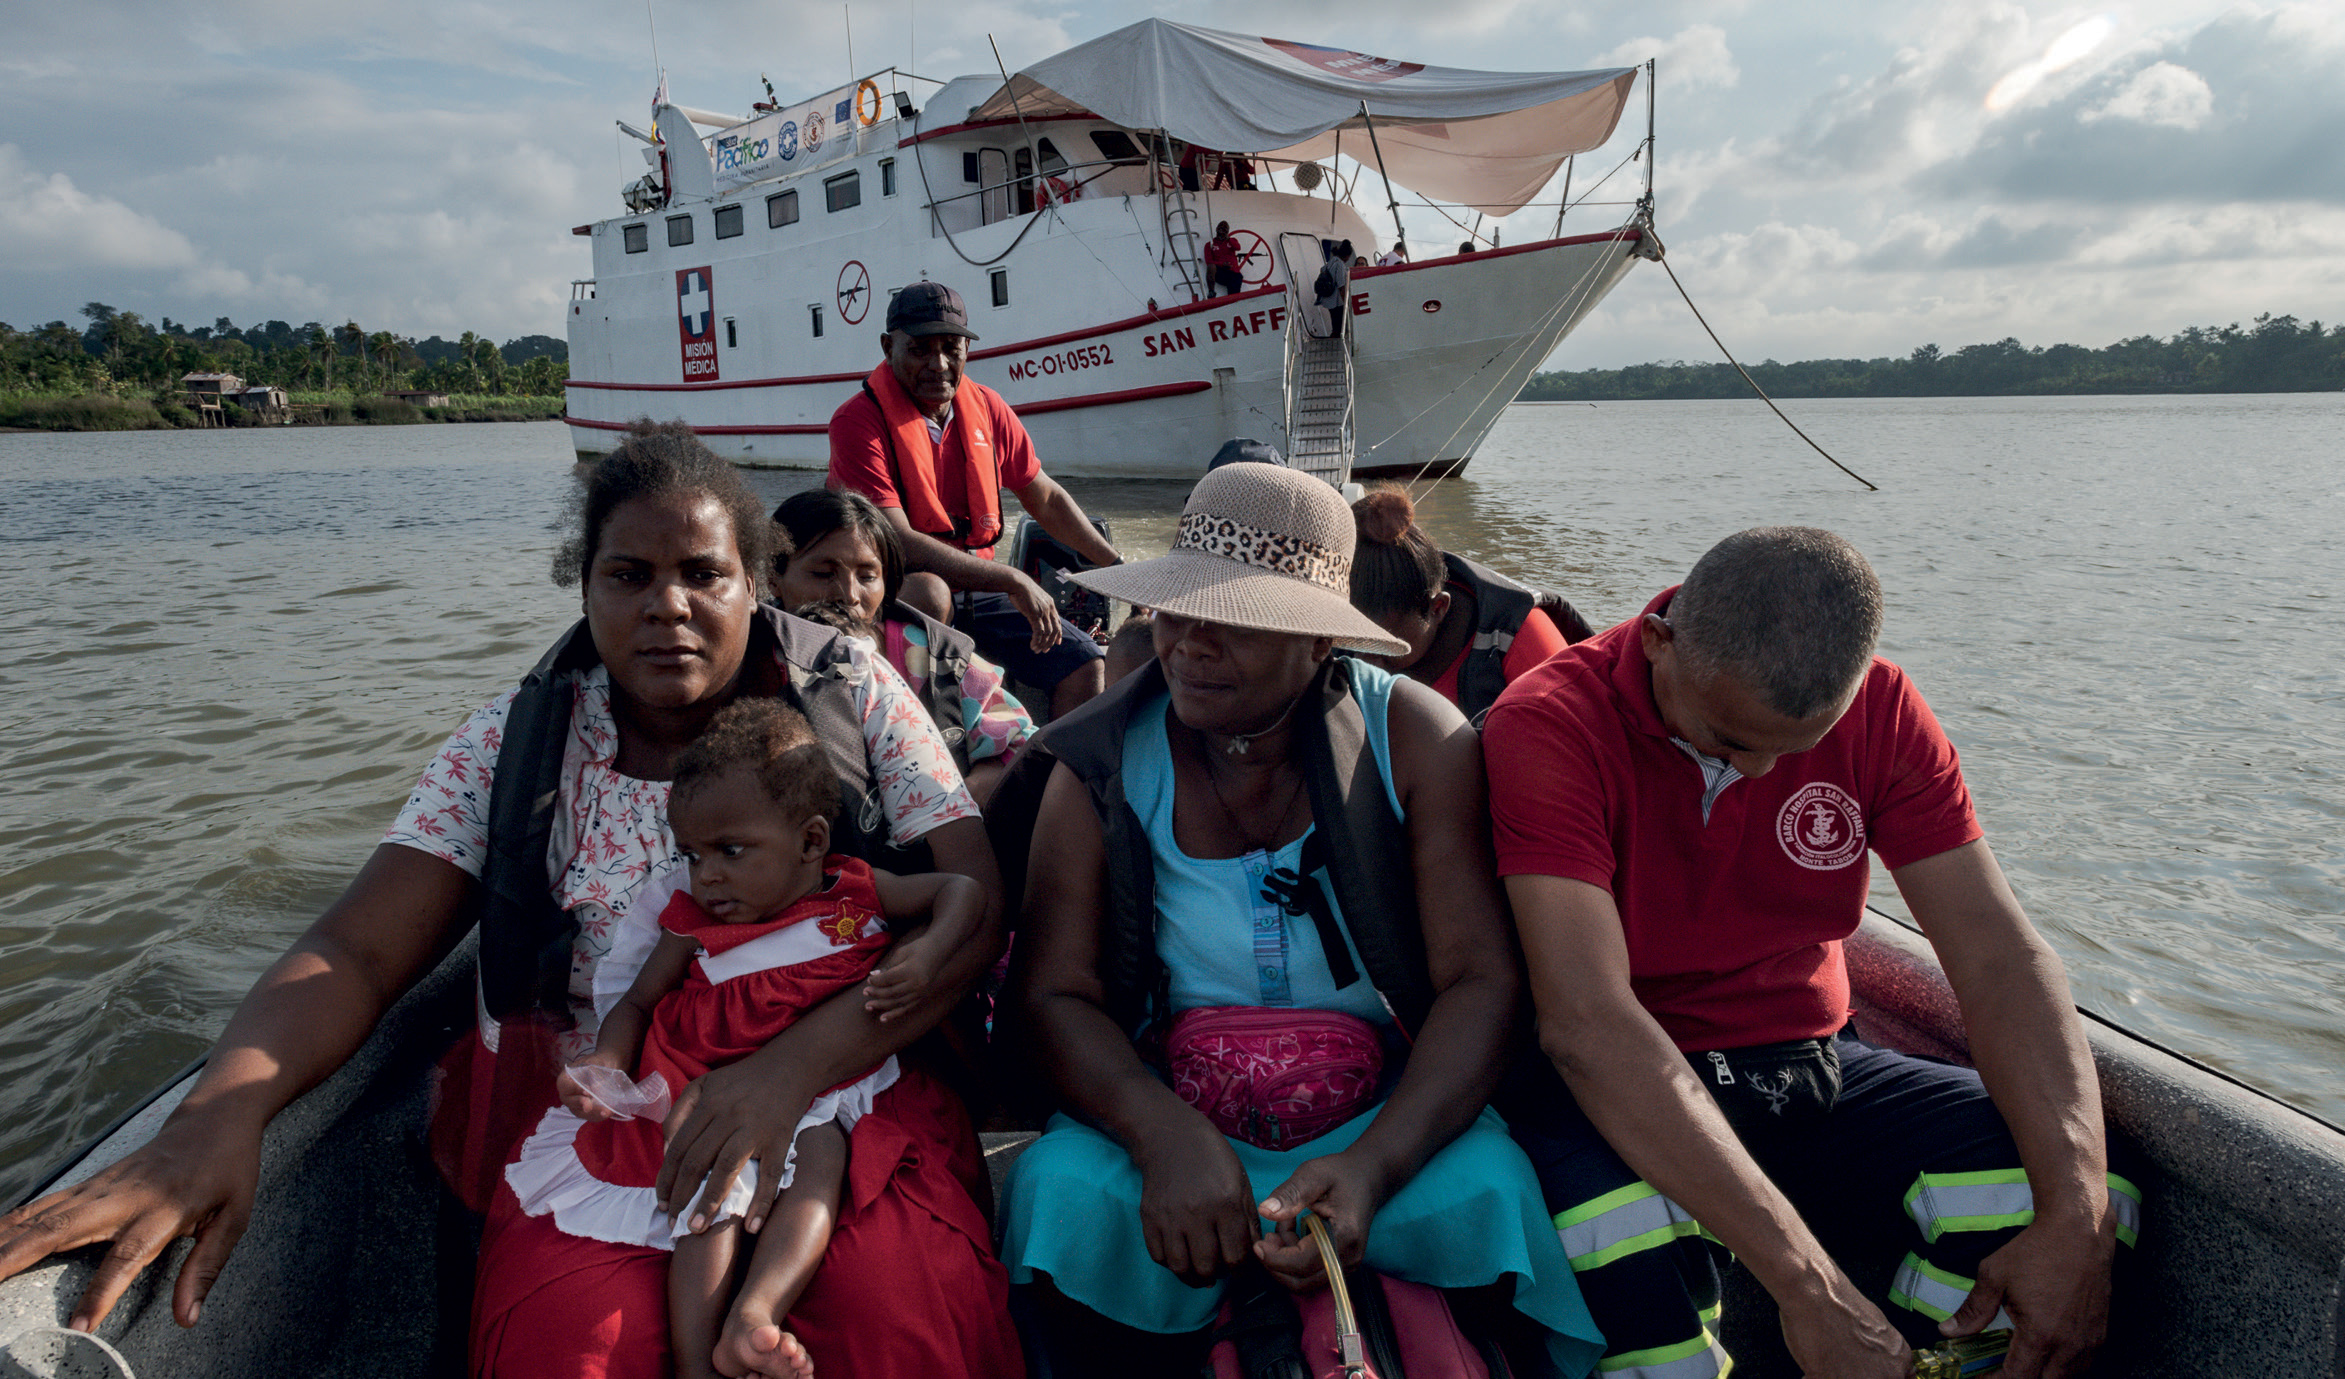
910	972
576	1098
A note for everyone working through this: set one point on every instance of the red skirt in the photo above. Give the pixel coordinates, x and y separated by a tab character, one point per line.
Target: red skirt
909	1287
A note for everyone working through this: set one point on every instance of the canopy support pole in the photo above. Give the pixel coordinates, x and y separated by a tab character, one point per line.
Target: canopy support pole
1400	233
1565	204
1649	76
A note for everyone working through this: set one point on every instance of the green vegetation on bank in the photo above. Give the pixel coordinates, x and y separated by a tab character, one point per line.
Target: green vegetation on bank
120	373
2278	354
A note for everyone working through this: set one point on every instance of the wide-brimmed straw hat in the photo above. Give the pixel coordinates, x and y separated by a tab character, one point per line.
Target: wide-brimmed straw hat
1260	547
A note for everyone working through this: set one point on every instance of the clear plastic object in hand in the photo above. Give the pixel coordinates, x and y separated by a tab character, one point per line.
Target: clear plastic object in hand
623	1095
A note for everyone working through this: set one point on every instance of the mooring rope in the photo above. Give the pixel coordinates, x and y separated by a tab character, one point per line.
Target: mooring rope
1663	260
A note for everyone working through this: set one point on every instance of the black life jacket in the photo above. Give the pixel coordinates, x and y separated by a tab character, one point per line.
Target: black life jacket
1500	605
949	653
1357	844
525	938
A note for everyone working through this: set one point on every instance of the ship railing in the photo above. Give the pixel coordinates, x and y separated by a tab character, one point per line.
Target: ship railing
582	289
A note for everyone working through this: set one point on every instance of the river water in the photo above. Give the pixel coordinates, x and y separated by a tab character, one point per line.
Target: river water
225	656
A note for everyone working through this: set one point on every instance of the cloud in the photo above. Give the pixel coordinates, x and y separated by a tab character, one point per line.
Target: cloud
2159	94
1693	58
52	226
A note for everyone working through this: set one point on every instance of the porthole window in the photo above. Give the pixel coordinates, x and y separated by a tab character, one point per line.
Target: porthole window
679	230
636	237
781	209
728	219
843	193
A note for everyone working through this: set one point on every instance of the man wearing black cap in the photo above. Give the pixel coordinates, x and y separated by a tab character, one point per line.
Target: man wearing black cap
934	449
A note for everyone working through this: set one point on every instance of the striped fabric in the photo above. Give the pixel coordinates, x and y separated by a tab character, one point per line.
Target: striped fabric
1619	1223
1999	1199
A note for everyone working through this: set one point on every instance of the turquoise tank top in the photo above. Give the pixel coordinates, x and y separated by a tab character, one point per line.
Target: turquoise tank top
1222	942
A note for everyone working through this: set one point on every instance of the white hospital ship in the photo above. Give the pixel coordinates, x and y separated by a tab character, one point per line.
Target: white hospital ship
1071	207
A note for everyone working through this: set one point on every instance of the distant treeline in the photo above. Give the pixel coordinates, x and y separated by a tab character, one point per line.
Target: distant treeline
2278	354
119	354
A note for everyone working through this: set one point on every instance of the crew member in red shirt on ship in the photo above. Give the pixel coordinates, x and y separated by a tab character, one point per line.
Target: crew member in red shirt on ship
934	450
1222	272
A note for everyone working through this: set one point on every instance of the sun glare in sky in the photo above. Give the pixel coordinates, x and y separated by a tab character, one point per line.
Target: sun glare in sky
2067	50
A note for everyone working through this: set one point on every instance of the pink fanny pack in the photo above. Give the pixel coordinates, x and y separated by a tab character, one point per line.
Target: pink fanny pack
1272	1076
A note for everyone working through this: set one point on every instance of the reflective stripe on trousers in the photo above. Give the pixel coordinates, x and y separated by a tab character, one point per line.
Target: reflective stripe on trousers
1999	1199
1621	1222
1699	1358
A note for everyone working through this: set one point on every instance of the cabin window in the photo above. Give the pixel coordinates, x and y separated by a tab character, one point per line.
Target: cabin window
1053	161
732	335
781	209
843	193
1117	146
816	308
1001	287
636	237
970	172
679	230
1025	164
994	202
728	220
887	177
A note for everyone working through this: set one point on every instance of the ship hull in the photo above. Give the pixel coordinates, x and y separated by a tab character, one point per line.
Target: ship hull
1441	346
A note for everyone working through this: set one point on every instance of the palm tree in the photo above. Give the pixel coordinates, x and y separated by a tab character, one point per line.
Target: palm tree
467	345
353	339
386	351
321	348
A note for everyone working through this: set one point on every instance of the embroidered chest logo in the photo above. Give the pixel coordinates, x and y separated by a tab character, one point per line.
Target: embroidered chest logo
1821	828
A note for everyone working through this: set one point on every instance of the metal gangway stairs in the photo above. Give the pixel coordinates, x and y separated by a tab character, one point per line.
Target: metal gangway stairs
1183	246
1321	419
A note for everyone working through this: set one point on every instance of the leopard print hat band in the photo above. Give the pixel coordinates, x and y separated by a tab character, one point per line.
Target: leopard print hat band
1259	546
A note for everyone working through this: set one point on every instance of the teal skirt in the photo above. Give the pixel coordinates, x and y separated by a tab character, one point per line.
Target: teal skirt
1472	1216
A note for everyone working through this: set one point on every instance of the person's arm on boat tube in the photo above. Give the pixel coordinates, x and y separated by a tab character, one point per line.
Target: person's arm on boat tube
749	1109
1632	1082
962	570
302	1020
1197	1211
2030	1050
1455	1062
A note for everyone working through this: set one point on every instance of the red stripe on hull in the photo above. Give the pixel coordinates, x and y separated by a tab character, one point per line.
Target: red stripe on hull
1054	404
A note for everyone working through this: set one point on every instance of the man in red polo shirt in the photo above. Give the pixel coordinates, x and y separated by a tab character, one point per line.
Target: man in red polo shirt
1683	807
934	449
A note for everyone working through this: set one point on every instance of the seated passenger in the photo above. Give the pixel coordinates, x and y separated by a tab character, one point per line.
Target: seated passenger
1251	826
934	449
1684	805
842	552
1471	631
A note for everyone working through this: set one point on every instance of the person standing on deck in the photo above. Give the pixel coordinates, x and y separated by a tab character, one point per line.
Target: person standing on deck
934	449
1683	806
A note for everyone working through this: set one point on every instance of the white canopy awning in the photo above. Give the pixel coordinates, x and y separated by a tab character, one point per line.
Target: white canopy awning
1488	140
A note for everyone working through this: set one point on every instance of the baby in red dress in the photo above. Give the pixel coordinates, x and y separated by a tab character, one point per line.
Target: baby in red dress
772	925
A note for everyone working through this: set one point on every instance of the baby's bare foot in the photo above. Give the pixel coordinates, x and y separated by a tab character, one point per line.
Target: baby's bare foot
750	1347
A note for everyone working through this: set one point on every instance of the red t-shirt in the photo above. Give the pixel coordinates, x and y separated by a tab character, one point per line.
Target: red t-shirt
1536	640
860	459
1734	925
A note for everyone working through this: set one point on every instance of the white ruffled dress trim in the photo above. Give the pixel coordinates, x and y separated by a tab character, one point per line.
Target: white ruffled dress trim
548	1176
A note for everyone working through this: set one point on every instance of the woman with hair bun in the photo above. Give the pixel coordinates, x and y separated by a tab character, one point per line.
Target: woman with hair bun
1470	629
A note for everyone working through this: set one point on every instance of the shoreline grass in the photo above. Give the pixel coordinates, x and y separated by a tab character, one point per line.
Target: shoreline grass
166	412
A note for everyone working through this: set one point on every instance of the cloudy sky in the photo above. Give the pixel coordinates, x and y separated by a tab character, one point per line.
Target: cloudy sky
1834	179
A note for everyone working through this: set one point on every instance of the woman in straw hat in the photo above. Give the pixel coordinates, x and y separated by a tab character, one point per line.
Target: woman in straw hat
1266	966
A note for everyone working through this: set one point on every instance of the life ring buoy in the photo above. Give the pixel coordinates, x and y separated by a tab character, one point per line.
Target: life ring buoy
1058	189
867	88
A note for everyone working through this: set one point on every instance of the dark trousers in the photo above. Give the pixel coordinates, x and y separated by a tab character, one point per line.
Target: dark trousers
1909	1178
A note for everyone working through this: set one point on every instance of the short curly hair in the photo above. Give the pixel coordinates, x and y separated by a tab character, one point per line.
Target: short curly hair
777	743
656	460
